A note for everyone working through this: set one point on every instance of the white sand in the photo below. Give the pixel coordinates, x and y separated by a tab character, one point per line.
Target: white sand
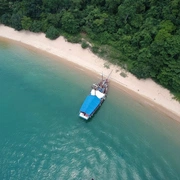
85	58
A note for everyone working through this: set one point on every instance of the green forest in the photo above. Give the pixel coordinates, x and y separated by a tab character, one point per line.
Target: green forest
142	36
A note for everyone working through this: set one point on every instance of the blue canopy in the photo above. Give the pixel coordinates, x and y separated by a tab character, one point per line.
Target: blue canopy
90	104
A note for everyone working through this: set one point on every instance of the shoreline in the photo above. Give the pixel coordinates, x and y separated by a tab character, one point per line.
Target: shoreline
151	92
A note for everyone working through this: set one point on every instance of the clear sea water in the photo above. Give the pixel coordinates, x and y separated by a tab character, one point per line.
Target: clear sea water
42	137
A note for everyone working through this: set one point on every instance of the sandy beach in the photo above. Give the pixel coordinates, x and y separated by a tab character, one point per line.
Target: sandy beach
148	89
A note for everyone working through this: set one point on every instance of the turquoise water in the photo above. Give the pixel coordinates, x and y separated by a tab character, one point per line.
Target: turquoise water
42	137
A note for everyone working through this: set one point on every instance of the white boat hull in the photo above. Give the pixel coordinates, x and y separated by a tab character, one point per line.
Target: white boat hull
83	116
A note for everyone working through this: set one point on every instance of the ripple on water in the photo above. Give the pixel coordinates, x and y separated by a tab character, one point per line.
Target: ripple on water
43	138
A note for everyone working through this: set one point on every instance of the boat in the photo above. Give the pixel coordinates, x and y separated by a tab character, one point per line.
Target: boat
95	99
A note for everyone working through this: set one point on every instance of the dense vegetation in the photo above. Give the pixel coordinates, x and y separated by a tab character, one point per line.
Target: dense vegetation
143	36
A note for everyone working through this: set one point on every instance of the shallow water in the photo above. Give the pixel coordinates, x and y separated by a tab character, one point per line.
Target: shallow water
42	137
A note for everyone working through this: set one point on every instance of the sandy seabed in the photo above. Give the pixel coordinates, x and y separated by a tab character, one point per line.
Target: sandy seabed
152	93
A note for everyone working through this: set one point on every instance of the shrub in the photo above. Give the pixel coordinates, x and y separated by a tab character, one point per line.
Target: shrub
123	74
52	33
95	49
5	19
84	44
36	26
107	65
72	39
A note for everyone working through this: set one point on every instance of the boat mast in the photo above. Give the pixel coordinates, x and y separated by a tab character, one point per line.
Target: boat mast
102	76
109	75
